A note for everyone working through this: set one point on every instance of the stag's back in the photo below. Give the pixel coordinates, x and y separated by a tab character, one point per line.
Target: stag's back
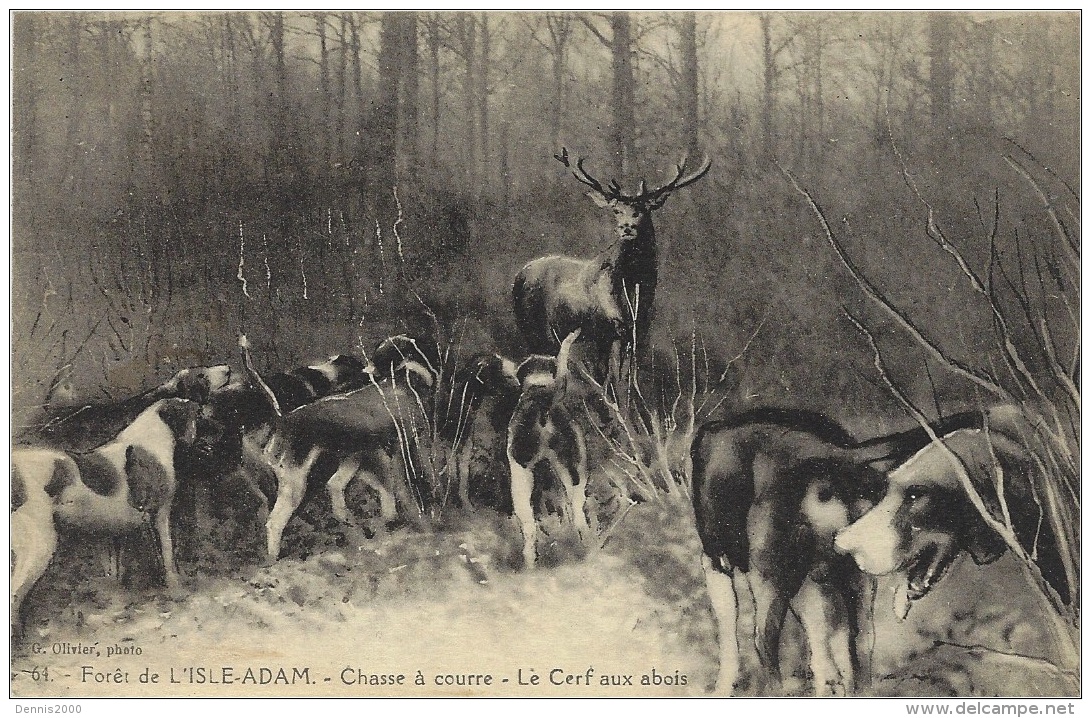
555	295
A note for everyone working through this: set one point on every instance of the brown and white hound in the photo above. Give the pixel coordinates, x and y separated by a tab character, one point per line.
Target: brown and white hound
542	431
771	489
926	518
110	490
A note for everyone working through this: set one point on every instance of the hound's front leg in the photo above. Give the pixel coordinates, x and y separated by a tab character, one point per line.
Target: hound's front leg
570	467
522	486
336	487
33	542
166	546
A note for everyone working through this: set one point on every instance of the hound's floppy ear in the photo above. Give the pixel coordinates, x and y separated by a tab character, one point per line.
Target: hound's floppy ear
180	416
991	454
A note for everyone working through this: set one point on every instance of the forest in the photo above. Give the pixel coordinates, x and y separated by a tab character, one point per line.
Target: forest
891	217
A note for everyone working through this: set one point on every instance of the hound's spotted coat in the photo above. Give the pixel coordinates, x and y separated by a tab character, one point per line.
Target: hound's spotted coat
542	432
109	491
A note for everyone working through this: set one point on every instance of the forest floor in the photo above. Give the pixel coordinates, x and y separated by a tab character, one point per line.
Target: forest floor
451	604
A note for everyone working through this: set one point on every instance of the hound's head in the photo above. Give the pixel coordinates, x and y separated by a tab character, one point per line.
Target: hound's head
488	375
926	518
197	383
401	357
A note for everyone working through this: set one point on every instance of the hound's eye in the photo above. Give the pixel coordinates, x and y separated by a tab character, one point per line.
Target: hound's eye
825	493
914	493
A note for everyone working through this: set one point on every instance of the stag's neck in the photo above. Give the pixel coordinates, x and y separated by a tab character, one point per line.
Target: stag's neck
635	261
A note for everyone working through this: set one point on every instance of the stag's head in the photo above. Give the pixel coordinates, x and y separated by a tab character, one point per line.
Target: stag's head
632	212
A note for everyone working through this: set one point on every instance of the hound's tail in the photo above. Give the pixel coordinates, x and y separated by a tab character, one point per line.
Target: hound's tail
248	362
887	452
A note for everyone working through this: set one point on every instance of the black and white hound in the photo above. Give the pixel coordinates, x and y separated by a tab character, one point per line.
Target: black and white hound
367	434
85	426
926	518
110	490
245	412
542	431
771	490
482	399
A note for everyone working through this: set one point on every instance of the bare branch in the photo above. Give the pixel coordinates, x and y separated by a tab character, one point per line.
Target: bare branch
985	382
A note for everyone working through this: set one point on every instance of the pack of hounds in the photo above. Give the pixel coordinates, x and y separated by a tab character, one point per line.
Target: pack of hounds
792	512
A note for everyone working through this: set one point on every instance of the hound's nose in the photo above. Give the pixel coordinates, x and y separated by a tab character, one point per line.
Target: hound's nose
845	541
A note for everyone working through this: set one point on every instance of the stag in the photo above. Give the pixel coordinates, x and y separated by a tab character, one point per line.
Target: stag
609	297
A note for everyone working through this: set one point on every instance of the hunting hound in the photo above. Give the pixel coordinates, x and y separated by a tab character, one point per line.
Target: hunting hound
771	489
543	432
111	490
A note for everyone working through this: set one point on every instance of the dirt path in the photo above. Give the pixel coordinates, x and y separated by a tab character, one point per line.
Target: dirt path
442	604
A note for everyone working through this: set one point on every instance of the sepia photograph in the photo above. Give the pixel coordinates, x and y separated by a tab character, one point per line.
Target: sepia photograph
545	354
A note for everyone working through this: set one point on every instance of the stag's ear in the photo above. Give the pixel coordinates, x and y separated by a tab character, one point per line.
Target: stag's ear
599	198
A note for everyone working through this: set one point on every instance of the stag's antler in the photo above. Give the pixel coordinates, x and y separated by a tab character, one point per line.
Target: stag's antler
613	188
678	182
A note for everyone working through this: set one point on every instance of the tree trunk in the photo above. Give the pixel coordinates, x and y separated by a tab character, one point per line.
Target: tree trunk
560	29
325	101
469	85
819	107
623	129
383	131
72	66
357	71
282	133
483	105
690	79
342	88
410	129
25	34
433	67
941	72
147	129
769	99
